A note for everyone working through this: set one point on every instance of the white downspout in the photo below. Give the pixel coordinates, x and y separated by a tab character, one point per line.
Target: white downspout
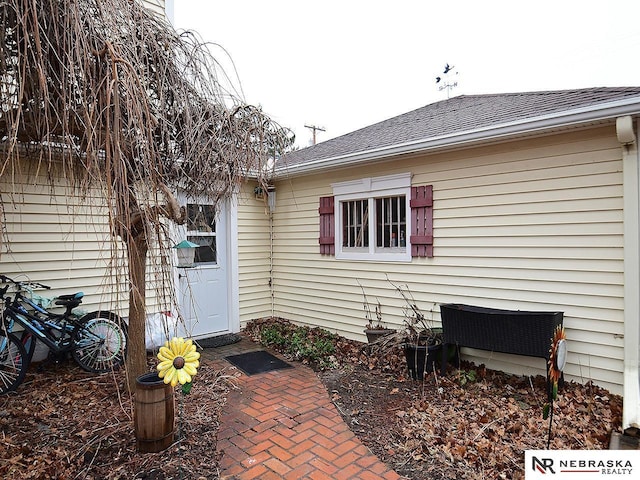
233	275
272	292
631	183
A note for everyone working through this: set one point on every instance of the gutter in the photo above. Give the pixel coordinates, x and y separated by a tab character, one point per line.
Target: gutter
566	119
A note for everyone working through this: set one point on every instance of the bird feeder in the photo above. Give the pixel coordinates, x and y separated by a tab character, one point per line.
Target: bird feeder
186	251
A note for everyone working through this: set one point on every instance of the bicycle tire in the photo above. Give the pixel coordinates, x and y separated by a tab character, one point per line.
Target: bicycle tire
100	343
13	362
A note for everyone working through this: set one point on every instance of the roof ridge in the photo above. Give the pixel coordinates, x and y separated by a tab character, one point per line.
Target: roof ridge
551	92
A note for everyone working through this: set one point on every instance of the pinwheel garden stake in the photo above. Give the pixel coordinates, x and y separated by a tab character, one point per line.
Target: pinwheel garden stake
557	361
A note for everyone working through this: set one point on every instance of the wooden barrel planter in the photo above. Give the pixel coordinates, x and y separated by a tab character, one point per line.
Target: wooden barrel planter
154	414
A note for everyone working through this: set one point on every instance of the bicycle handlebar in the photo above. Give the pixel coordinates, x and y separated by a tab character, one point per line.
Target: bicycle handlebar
5	279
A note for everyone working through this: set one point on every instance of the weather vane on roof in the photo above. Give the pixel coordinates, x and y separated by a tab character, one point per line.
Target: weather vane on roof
445	83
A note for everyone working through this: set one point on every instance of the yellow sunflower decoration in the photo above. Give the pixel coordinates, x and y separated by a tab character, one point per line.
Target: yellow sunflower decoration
178	362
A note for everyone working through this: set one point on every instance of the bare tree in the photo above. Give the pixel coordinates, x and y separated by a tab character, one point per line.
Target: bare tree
109	96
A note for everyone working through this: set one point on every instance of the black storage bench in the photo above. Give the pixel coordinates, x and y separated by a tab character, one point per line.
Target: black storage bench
506	331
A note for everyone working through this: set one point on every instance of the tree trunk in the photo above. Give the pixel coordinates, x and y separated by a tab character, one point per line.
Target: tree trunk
136	354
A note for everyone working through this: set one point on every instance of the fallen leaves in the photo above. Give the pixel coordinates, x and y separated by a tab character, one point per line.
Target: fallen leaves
442	428
474	423
64	423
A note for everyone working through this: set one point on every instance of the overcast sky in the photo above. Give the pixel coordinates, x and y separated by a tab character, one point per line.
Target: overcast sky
345	64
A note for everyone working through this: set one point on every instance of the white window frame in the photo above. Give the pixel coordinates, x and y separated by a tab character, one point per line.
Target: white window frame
370	189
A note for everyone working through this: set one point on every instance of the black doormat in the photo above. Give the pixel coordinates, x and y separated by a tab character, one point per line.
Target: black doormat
257	362
219	341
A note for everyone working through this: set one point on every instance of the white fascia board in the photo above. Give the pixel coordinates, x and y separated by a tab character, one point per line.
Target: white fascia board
569	118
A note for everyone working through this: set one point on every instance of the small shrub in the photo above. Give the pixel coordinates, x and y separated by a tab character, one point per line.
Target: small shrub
314	346
273	336
466	376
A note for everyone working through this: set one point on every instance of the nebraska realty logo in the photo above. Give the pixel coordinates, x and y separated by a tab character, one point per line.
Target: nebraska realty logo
581	464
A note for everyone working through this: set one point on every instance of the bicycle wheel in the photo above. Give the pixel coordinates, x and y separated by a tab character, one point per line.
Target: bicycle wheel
100	343
13	362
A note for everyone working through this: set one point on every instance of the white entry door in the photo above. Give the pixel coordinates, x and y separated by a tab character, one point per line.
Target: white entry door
203	289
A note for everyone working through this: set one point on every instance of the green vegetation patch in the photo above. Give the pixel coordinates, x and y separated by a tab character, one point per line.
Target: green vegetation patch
313	346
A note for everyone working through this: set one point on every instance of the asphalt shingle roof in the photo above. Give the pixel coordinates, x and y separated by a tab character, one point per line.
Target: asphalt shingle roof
465	113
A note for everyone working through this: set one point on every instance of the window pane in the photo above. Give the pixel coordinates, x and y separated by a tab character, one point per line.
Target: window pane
391	222
206	252
201	218
201	230
355	221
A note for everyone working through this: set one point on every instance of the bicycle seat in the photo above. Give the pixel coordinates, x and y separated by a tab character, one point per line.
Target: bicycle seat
72	300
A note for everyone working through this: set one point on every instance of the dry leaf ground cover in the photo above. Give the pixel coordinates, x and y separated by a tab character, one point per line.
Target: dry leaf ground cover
440	429
65	424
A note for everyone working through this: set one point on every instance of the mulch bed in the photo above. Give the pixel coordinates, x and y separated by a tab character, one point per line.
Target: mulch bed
64	423
440	429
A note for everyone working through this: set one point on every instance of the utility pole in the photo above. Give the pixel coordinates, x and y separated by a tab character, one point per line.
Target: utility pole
315	129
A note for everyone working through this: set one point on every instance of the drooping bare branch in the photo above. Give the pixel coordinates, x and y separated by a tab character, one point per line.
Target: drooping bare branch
108	96
125	95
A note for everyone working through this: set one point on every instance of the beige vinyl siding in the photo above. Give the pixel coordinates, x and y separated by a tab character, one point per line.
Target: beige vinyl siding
532	225
254	252
57	238
156	6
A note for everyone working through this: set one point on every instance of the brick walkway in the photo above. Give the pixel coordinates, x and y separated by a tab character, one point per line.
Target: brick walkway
282	424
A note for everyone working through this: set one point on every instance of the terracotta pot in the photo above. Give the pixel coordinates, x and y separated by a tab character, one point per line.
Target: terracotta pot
375	334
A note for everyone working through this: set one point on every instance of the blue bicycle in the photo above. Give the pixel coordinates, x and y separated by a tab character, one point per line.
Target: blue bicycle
97	341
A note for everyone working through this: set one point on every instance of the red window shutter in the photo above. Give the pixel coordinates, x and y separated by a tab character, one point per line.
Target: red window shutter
421	221
327	226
